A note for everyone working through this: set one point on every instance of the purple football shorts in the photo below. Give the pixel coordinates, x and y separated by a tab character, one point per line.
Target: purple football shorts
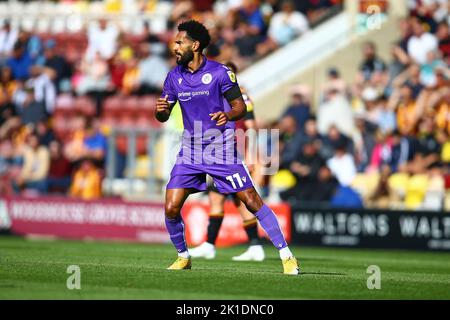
228	178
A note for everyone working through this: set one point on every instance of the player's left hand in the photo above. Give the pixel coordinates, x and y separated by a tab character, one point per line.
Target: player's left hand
220	117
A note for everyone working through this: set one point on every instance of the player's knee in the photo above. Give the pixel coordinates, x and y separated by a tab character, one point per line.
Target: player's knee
172	210
252	201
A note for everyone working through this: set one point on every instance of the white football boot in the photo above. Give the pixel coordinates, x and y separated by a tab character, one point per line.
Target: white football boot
205	250
253	253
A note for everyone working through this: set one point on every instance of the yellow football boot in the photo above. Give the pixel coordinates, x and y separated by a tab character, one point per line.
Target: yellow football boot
181	264
290	266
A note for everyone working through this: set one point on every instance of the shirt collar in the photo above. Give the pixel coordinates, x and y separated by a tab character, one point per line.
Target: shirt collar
199	68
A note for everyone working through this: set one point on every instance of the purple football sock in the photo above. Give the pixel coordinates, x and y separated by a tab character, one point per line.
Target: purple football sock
269	223
176	231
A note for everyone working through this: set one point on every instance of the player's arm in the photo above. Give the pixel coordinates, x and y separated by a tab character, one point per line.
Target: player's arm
238	107
163	109
166	101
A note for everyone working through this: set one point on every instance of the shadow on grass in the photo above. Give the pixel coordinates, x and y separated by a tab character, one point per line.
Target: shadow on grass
324	273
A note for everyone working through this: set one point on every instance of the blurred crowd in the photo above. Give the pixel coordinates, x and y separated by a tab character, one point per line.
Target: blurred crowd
381	141
60	94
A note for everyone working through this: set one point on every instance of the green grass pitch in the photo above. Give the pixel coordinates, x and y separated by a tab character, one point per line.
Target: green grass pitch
37	269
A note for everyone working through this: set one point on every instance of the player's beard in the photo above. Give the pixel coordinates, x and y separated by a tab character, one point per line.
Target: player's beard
185	58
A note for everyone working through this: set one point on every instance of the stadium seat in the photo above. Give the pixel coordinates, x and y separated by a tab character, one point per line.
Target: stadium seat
85	105
112	106
447	202
365	184
148	103
130	106
65	105
398	183
416	190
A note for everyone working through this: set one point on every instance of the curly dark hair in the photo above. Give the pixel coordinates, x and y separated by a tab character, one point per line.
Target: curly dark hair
196	31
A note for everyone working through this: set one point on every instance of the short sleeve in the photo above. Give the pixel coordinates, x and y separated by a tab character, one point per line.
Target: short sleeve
168	90
227	80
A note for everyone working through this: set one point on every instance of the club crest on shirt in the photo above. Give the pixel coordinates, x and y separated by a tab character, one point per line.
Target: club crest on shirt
232	76
207	78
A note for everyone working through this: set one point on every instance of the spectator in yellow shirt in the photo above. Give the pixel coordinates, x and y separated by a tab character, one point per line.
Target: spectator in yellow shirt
36	164
86	183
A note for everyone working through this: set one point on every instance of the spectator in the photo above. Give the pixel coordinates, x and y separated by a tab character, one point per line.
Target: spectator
28	109
87	142
305	169
156	45
59	176
86	183
152	71
372	65
95	76
332	140
364	142
20	62
7	88
32	43
299	107
410	77
250	28
285	26
334	82
10	165
421	42
443	138
44	89
336	110
95	143
401	152
8	38
443	36
290	141
59	64
44	133
428	70
130	80
370	97
310	132
407	110
35	166
342	165
397	66
102	40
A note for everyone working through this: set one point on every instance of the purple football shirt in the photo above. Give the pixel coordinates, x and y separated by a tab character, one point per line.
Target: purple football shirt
200	93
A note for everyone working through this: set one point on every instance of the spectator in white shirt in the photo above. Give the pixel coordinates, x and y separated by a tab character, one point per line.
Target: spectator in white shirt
421	42
8	37
285	26
102	39
43	87
152	70
336	110
342	165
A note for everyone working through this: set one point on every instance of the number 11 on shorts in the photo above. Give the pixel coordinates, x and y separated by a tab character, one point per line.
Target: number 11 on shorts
238	179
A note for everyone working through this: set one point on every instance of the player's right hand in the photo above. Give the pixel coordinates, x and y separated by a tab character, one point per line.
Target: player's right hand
162	104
